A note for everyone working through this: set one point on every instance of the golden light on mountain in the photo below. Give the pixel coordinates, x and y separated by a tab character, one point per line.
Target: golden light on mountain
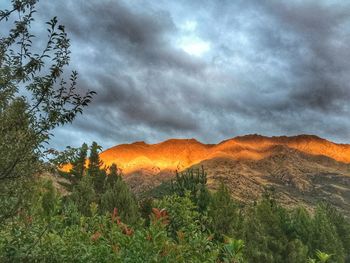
179	154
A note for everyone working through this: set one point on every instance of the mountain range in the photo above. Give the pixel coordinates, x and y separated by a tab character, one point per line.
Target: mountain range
303	169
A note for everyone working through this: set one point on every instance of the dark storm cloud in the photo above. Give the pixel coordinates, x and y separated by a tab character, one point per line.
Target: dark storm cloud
110	28
269	67
323	31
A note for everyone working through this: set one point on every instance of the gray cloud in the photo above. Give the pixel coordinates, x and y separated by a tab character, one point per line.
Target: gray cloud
272	67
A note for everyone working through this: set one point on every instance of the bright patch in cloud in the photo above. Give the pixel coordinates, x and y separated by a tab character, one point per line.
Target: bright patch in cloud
188	40
194	46
190	25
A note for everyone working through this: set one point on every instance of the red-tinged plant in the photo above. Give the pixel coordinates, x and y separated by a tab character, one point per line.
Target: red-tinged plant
96	236
115	218
160	216
115	214
128	231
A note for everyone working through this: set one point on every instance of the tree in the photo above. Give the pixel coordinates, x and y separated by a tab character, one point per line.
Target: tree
296	251
84	194
94	168
324	236
222	212
78	168
95	162
264	233
119	196
342	225
34	98
193	181
113	175
203	198
301	224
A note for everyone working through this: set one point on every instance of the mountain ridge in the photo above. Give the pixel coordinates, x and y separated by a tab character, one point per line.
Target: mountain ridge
179	154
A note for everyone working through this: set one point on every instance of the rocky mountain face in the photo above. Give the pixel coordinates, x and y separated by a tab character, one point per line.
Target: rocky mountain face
302	169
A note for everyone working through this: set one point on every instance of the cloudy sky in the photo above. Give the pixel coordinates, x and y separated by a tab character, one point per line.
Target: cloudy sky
207	69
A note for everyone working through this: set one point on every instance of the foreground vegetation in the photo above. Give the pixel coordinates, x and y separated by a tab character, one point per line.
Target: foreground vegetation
100	220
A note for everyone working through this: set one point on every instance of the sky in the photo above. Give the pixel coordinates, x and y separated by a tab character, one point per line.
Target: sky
209	70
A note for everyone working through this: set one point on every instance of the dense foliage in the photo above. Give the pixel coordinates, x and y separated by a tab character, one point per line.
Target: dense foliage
90	225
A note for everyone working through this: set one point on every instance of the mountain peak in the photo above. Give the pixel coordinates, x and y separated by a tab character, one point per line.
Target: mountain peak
139	143
180	141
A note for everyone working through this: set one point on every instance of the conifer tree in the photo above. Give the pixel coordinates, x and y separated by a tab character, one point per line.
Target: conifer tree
223	212
324	236
94	159
119	196
264	233
113	175
189	180
296	251
342	225
301	225
78	168
203	198
94	169
195	182
84	194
